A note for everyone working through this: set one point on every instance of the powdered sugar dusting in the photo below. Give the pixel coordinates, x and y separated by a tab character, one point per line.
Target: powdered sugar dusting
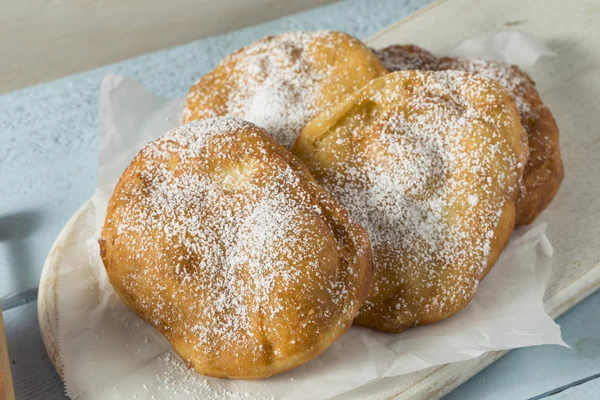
179	379
279	82
274	84
428	176
544	171
411	57
226	250
279	86
515	81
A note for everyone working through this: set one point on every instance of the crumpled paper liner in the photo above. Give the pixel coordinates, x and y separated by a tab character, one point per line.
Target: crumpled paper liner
109	353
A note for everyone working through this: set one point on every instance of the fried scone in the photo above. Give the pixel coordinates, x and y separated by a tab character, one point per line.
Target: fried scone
544	170
223	241
429	164
280	82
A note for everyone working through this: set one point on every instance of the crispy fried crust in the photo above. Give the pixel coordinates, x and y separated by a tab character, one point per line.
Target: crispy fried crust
222	240
544	170
429	163
280	82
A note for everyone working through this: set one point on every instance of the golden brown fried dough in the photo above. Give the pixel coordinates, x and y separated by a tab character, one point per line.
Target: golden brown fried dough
281	82
429	164
222	240
544	170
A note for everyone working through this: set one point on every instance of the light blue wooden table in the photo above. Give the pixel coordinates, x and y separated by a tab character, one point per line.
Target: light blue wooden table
48	145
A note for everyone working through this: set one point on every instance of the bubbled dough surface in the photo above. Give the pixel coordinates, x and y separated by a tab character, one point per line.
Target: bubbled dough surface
544	170
280	82
429	163
222	240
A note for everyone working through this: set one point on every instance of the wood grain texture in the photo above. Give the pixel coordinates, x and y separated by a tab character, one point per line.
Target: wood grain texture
6	385
48	315
34	375
586	391
570	84
536	372
45	39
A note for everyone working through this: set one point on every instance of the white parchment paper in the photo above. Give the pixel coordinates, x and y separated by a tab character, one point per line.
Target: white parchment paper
109	353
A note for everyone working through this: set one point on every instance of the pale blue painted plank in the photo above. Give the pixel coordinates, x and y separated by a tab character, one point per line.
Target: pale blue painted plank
530	372
586	391
47	161
33	374
48	133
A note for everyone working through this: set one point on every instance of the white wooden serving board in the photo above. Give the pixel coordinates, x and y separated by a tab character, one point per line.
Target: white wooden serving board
569	83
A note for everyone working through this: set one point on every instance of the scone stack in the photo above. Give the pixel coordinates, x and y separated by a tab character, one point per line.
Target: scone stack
316	184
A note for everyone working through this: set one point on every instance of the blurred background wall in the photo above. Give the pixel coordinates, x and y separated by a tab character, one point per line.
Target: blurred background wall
46	39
